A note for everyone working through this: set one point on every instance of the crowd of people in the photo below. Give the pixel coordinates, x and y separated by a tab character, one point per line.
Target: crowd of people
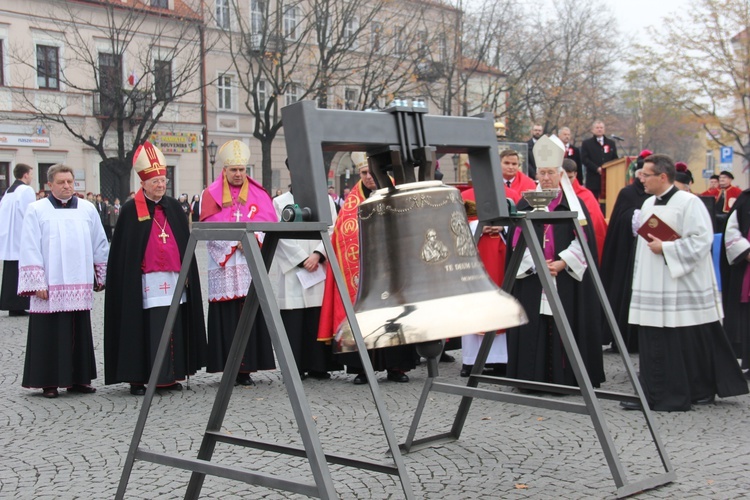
60	249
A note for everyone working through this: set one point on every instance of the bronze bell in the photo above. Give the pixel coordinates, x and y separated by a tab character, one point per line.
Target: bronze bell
422	277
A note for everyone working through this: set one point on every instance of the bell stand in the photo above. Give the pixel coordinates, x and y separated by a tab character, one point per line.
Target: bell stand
591	396
261	295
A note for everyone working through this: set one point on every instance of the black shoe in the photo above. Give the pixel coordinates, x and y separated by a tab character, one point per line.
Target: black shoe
82	389
705	401
446	358
360	379
174	387
17	313
396	376
631	405
466	370
137	390
50	392
319	375
244	379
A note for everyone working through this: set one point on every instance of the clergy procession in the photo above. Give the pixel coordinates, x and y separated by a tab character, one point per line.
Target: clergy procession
661	287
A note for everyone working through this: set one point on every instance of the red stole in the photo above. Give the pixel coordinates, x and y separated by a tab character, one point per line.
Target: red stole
345	240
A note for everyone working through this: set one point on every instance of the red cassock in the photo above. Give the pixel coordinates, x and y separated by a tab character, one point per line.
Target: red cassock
522	182
598	222
491	247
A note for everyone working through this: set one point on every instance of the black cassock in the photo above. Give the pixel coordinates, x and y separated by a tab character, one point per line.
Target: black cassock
535	350
131	333
618	262
736	313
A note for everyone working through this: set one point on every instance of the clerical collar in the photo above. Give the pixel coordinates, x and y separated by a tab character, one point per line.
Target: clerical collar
663	199
69	203
149	199
13	186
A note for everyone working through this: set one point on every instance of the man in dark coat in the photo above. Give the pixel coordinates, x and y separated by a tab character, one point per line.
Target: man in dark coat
735	251
536	133
618	258
571	151
145	258
595	152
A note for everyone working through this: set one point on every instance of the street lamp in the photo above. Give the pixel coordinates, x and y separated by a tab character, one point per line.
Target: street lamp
212	158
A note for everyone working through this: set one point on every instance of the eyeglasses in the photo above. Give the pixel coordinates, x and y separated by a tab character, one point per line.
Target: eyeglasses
649	175
157	182
547	174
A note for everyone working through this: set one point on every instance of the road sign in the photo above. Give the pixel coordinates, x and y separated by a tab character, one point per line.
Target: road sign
727	156
707	173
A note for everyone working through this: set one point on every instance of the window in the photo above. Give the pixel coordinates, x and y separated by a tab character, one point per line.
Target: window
398	48
222	14
422	44
170	181
224	85
110	83
442	48
292	94
160	4
163	80
43	168
350	32
262	94
47	67
257	22
2	63
350	98
376	34
5	176
290	23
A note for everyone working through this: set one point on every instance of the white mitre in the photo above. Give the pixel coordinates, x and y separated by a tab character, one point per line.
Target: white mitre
550	152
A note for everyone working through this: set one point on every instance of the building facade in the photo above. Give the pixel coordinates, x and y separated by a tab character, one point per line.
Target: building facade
82	82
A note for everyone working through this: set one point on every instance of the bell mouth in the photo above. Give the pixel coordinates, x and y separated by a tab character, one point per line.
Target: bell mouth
433	319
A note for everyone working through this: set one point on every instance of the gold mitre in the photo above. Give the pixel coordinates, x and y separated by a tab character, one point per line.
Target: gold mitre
359	160
548	152
149	162
234	153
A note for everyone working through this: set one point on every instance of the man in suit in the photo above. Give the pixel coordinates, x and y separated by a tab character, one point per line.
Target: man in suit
536	133
595	152
571	151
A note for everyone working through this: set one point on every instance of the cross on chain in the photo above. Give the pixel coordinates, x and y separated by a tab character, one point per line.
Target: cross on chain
237	214
163	236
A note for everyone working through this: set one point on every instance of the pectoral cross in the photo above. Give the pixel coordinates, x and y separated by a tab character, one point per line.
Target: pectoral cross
237	214
163	236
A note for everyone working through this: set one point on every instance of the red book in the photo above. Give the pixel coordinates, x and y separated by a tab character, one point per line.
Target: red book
658	228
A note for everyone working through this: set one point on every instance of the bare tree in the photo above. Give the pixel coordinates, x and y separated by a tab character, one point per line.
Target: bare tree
163	51
353	55
700	61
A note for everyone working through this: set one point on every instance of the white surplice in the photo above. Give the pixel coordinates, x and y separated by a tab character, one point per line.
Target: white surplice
677	288
12	210
61	251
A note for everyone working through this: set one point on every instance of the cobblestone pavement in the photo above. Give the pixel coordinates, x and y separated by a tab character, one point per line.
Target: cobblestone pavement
75	446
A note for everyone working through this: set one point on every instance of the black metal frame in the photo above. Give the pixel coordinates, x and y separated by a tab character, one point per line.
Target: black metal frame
261	296
591	396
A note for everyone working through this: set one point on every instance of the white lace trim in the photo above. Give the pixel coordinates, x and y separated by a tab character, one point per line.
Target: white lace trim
64	298
31	279
100	273
227	283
